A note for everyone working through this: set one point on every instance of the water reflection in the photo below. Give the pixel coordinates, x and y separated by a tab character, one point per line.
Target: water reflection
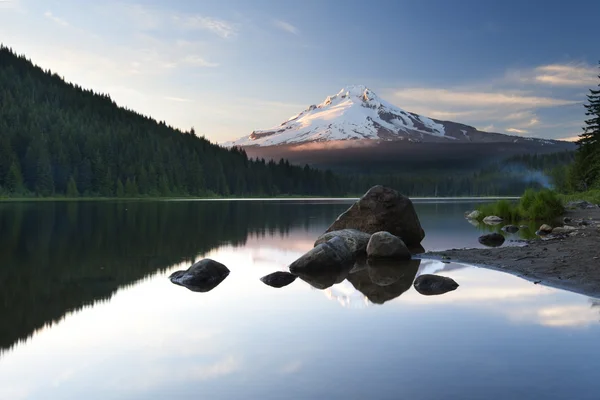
497	336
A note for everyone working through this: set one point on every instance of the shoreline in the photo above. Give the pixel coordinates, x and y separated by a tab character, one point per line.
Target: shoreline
565	261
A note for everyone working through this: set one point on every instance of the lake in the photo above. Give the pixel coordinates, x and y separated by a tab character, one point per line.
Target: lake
88	311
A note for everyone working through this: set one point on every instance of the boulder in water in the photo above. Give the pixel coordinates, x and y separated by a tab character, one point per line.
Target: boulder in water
203	276
510	228
492	220
492	239
386	245
431	285
473	215
331	254
355	240
278	279
383	209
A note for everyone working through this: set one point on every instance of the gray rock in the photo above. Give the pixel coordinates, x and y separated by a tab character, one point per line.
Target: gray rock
386	245
492	220
355	240
545	229
383	209
431	285
563	229
278	279
203	276
474	215
566	220
329	255
492	239
510	228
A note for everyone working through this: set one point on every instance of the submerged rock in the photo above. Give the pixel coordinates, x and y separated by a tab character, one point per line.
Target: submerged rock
492	239
384	279
203	276
278	279
510	228
383	209
329	255
386	245
431	285
355	240
492	220
473	215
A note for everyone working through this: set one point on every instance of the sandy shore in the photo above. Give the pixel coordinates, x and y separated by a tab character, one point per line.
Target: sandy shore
567	261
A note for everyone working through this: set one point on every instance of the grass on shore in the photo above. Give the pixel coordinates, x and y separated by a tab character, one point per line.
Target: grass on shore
543	205
593	196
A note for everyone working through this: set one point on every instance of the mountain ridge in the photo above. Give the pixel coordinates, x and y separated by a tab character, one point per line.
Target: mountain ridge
356	113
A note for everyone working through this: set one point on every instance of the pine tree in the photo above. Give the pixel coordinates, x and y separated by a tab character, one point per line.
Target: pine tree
120	189
72	188
131	189
587	166
14	179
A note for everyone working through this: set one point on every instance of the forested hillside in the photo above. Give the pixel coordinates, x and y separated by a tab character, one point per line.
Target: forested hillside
57	138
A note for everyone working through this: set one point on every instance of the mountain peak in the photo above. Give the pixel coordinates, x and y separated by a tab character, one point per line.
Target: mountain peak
357	113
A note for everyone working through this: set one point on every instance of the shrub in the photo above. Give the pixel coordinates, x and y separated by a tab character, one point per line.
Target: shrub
541	205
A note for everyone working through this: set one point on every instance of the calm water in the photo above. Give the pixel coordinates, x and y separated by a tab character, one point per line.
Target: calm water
88	312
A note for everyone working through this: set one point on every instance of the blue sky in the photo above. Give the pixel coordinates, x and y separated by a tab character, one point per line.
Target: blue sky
229	67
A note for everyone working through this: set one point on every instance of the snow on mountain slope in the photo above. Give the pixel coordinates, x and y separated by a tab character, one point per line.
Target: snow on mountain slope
356	113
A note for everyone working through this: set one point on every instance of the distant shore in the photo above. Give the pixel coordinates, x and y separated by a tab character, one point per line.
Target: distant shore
180	198
570	262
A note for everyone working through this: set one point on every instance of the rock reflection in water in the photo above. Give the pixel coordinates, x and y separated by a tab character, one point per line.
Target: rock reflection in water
383	280
327	277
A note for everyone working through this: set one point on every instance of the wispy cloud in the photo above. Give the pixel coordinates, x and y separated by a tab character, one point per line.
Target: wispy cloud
198	61
56	19
565	75
219	27
286	26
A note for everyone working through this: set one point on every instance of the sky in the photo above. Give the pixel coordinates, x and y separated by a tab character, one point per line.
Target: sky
229	67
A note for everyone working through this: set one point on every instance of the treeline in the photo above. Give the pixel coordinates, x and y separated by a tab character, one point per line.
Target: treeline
57	138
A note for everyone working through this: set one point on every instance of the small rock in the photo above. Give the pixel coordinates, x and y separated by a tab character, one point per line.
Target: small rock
563	229
510	228
492	239
203	276
523	227
431	285
355	240
474	215
580	204
386	245
492	220
545	229
566	220
278	279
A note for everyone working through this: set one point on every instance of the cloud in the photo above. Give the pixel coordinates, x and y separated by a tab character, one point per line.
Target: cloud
198	61
220	27
286	26
56	19
516	130
576	75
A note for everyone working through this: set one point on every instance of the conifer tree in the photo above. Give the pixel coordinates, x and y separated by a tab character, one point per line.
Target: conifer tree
587	166
72	188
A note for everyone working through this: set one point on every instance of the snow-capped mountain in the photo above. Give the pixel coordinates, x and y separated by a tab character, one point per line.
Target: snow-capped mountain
357	113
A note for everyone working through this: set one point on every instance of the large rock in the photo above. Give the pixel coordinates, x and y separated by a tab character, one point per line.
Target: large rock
386	245
492	239
278	279
203	276
431	285
383	209
355	240
384	279
329	255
